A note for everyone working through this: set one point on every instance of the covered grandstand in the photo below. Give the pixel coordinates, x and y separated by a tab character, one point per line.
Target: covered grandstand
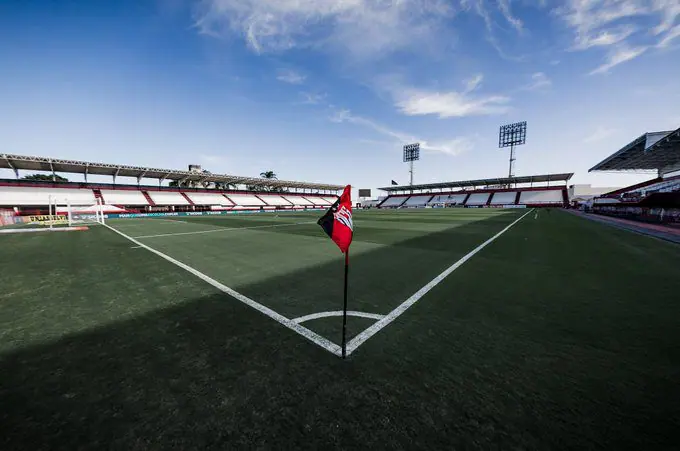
244	193
657	199
508	192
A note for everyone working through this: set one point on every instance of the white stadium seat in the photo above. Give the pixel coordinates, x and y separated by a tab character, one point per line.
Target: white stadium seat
298	201
167	198
245	200
33	196
318	201
417	201
478	199
208	199
393	201
124	197
504	198
452	199
541	197
275	199
330	200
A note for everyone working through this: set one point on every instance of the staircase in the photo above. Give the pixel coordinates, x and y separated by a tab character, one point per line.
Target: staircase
149	199
191	202
98	195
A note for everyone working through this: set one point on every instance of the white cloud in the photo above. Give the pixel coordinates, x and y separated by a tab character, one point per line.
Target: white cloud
670	36
473	83
452	147
290	76
599	134
312	99
360	27
504	6
618	56
610	23
415	102
539	80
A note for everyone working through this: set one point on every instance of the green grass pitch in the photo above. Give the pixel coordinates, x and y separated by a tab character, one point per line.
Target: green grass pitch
559	334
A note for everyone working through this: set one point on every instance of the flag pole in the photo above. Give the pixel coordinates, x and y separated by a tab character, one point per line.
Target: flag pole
344	309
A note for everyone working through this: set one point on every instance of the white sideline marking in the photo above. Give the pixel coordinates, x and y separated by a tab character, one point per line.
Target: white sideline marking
290	324
536	215
394	314
135	247
225	229
305	318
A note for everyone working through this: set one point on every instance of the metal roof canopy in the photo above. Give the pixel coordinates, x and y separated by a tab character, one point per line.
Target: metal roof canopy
30	163
650	151
483	182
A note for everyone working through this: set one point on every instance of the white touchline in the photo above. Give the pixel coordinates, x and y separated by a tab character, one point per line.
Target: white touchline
305	318
290	324
394	314
226	229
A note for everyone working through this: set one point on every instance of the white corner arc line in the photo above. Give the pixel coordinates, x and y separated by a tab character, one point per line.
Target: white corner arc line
319	315
394	314
225	229
290	324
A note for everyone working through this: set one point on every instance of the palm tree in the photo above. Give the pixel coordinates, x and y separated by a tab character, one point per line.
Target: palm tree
268	175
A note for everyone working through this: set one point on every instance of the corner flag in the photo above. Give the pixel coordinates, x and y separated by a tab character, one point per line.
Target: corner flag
338	225
337	222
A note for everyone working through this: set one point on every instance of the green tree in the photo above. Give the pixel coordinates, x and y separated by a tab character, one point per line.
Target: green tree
44	178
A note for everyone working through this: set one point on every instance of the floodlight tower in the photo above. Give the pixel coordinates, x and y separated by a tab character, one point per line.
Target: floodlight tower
411	154
512	135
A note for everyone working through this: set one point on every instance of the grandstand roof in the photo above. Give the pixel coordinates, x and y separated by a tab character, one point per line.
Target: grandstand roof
30	163
653	150
483	182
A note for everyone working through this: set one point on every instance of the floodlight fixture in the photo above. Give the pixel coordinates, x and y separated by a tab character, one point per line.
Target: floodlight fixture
512	135
411	154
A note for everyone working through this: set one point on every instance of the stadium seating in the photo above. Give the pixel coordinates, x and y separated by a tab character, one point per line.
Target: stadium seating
541	197
298	201
448	199
11	196
478	199
124	197
417	201
503	198
330	200
208	199
275	200
167	198
245	200
318	201
393	201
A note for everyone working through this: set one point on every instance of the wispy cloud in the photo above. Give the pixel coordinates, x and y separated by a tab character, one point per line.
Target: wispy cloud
611	24
453	147
312	99
618	56
290	76
539	81
473	83
359	27
599	134
416	102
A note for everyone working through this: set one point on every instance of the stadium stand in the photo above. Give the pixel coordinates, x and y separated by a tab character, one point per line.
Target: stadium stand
208	199
448	199
167	198
12	196
298	201
275	200
478	199
318	201
245	200
503	198
479	193
393	202
417	201
547	197
124	197
655	200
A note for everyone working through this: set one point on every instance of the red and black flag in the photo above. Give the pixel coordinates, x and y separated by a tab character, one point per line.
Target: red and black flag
337	222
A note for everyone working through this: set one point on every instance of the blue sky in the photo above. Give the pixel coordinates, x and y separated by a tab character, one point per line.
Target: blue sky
330	90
